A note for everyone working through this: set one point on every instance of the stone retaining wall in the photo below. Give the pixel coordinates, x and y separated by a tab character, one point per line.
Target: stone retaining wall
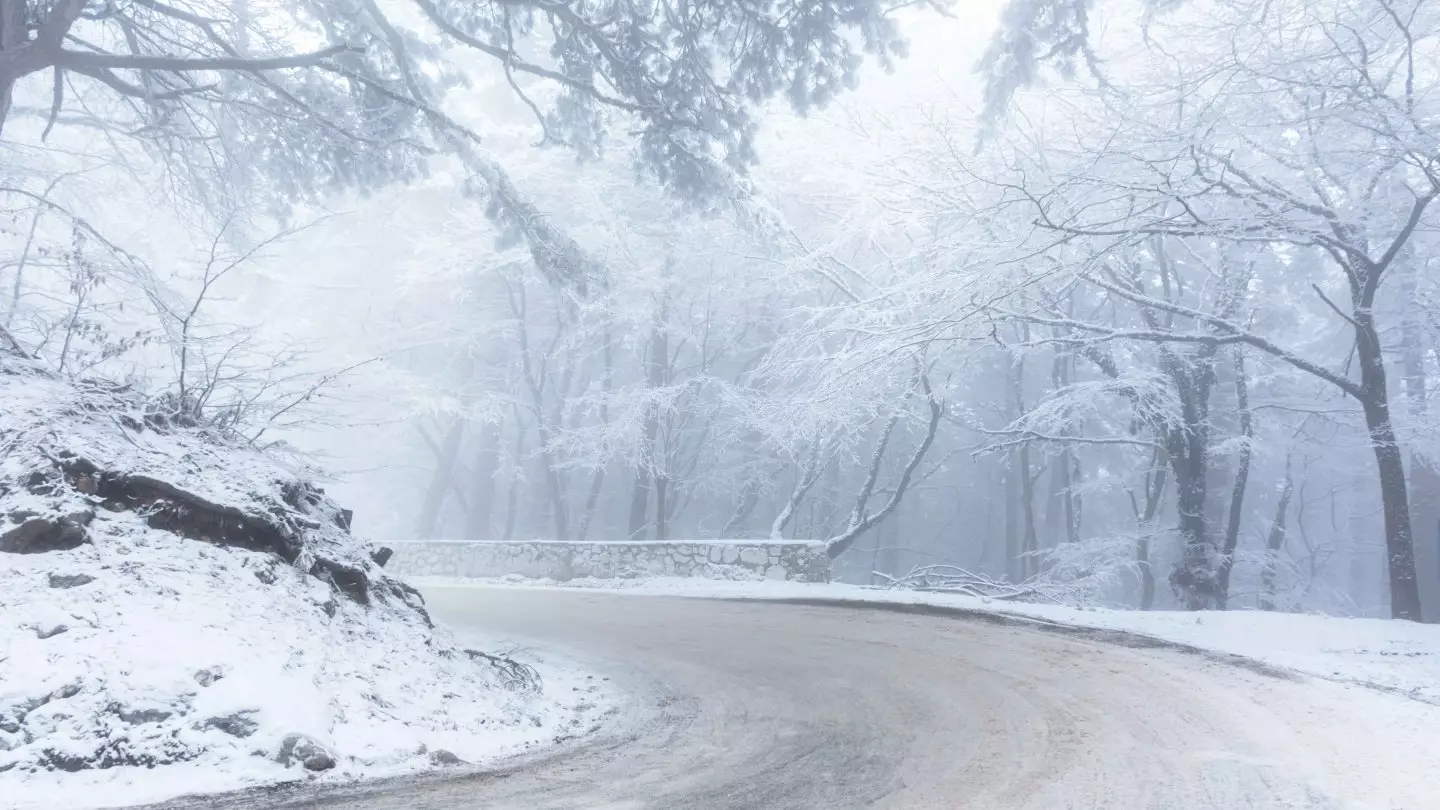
715	559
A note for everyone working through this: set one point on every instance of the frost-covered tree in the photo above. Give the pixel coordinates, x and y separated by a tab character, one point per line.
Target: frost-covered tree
254	105
1298	143
299	97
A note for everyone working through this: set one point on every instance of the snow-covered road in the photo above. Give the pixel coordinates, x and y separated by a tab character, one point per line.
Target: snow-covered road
764	705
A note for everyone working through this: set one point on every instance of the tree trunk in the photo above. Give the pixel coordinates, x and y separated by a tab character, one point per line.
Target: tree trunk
657	356
1425	508
1275	542
1193	578
1017	473
739	522
888	560
1145	521
1012	519
597	482
1061	513
644	471
1030	544
1424	475
640	499
553	482
662	490
1394	495
512	500
1242	477
12	34
805	478
1147	573
482	488
1188	447
861	520
440	481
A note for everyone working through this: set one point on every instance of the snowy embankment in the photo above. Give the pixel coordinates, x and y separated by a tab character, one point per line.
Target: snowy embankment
1392	656
180	614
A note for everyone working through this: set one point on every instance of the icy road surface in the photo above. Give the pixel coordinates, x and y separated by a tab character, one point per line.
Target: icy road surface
766	705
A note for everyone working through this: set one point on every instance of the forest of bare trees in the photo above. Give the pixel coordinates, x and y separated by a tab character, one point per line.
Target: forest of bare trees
1145	310
1167	332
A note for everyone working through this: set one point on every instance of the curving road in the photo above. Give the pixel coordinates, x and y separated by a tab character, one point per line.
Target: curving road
762	705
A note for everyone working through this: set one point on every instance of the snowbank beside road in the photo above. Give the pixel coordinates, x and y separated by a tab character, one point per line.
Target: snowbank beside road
1395	656
180	670
180	614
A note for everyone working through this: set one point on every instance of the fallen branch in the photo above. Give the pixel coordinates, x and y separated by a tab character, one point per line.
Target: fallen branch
954	579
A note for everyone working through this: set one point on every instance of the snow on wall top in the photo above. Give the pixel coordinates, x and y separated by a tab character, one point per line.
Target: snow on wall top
764	541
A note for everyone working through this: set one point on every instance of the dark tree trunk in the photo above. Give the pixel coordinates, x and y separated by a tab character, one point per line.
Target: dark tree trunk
1188	447
12	34
1193	578
1275	541
1394	495
1242	478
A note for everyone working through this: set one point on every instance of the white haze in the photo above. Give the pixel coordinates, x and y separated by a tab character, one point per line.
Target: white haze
889	260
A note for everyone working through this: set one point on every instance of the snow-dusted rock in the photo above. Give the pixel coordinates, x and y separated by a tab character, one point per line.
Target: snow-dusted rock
443	758
37	534
298	749
237	724
69	580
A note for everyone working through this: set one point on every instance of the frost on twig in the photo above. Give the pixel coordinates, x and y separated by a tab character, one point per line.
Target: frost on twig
1079	574
954	579
514	675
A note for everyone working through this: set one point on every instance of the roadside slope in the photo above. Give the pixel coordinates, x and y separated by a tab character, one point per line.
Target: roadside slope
180	613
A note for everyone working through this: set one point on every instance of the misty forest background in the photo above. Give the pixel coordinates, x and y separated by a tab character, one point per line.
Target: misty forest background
1135	302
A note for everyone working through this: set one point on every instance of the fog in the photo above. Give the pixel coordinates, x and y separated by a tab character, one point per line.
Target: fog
1142	313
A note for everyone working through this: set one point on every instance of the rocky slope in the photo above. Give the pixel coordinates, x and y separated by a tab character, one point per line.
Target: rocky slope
179	612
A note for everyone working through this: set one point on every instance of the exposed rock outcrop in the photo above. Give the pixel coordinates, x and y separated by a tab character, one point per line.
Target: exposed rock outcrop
297	749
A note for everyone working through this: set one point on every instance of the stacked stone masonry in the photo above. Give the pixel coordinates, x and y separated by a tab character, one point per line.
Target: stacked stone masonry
733	560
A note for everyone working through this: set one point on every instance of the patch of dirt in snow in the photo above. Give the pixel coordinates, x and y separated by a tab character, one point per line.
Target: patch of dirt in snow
179	614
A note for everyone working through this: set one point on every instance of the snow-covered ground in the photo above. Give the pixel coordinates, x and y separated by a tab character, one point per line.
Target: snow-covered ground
177	653
1394	656
181	614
